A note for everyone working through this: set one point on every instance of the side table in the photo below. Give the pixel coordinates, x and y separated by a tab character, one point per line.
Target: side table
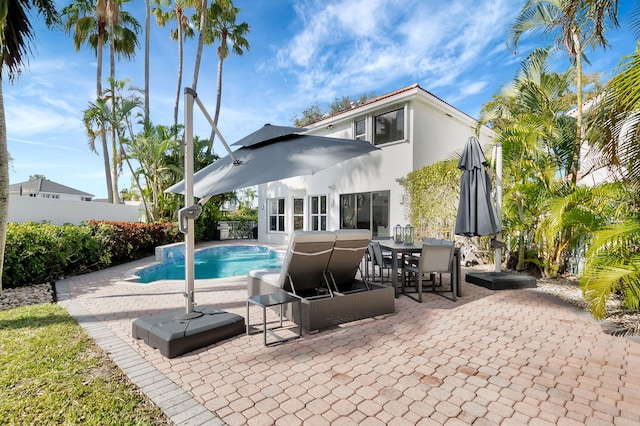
275	299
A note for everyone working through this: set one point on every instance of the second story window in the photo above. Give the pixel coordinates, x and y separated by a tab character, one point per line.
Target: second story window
389	127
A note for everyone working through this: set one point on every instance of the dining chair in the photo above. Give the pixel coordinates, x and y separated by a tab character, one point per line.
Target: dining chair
434	259
379	259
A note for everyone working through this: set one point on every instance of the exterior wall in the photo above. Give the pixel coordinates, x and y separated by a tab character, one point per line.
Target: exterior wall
434	131
59	212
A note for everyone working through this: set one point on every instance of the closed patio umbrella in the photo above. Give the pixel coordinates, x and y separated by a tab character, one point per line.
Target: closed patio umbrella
478	215
476	211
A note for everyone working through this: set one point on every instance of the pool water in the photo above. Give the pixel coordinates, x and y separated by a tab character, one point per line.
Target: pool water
214	262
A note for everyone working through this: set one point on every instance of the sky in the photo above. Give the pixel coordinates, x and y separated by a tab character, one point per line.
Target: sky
301	52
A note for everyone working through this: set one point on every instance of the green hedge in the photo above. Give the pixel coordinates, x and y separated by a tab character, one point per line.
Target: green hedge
36	253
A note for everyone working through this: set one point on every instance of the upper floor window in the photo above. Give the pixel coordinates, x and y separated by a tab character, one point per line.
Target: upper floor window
360	129
389	127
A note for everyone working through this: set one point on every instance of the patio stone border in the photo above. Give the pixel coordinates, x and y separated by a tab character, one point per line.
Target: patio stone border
177	404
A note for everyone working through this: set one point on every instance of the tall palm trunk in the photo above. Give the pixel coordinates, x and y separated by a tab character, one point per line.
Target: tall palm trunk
218	103
113	19
103	134
4	184
579	130
147	43
116	159
203	23
180	60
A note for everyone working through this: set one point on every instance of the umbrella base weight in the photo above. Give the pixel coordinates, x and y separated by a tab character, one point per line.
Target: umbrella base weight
174	335
500	280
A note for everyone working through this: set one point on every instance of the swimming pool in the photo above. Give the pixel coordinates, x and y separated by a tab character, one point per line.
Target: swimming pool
213	262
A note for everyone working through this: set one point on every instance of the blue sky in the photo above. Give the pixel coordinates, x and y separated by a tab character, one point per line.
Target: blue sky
302	51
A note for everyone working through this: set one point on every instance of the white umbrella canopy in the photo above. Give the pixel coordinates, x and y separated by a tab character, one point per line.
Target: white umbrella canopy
280	157
476	212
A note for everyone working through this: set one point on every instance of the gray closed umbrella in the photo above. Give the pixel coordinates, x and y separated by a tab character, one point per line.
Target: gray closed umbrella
476	211
279	157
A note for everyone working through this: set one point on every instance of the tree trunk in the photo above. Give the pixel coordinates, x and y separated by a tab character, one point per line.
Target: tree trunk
103	134
147	38
576	155
218	102
114	143
4	185
203	23
180	55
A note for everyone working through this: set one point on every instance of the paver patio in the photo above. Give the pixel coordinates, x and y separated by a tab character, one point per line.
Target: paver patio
511	357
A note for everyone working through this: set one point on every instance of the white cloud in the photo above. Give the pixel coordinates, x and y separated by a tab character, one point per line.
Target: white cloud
433	44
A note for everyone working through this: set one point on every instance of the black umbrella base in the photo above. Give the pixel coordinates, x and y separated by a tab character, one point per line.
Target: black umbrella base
500	280
176	333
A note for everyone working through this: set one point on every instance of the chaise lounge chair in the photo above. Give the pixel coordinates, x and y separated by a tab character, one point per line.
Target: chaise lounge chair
322	307
348	252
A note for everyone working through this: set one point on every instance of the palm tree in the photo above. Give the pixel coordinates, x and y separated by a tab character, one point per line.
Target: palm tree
180	34
123	42
580	25
150	150
222	27
613	255
538	141
147	47
201	10
89	23
16	34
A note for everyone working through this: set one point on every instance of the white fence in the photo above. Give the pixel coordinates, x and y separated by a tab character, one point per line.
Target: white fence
59	212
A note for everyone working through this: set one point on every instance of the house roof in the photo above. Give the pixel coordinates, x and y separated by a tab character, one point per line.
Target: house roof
380	98
45	185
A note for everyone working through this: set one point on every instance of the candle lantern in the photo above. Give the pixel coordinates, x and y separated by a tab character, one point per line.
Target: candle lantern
398	234
408	234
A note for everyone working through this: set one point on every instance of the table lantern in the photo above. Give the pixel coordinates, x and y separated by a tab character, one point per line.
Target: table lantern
408	234
398	234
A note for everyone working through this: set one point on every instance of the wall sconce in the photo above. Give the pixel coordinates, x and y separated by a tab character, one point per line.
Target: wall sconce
400	180
333	202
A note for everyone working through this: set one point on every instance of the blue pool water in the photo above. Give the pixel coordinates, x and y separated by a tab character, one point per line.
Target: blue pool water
214	262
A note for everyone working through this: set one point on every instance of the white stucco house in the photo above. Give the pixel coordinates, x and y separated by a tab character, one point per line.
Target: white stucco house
412	127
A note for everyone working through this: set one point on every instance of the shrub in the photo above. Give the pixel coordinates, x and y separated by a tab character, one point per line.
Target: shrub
126	241
40	252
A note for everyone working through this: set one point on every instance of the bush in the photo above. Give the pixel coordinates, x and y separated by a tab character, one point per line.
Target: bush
36	253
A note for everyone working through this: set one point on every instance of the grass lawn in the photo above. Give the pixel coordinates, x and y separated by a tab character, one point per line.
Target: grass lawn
51	372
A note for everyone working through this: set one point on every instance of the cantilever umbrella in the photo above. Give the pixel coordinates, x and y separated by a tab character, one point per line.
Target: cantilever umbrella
268	155
272	153
476	211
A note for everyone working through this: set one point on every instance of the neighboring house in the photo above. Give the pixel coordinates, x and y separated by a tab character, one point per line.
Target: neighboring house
44	188
412	127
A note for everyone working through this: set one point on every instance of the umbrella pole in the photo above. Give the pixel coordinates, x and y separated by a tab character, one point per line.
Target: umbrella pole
499	203
187	221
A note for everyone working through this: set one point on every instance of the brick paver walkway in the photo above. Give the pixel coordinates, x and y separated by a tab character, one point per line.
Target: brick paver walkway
515	357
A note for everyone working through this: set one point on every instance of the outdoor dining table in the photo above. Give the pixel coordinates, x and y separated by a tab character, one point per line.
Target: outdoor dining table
397	248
